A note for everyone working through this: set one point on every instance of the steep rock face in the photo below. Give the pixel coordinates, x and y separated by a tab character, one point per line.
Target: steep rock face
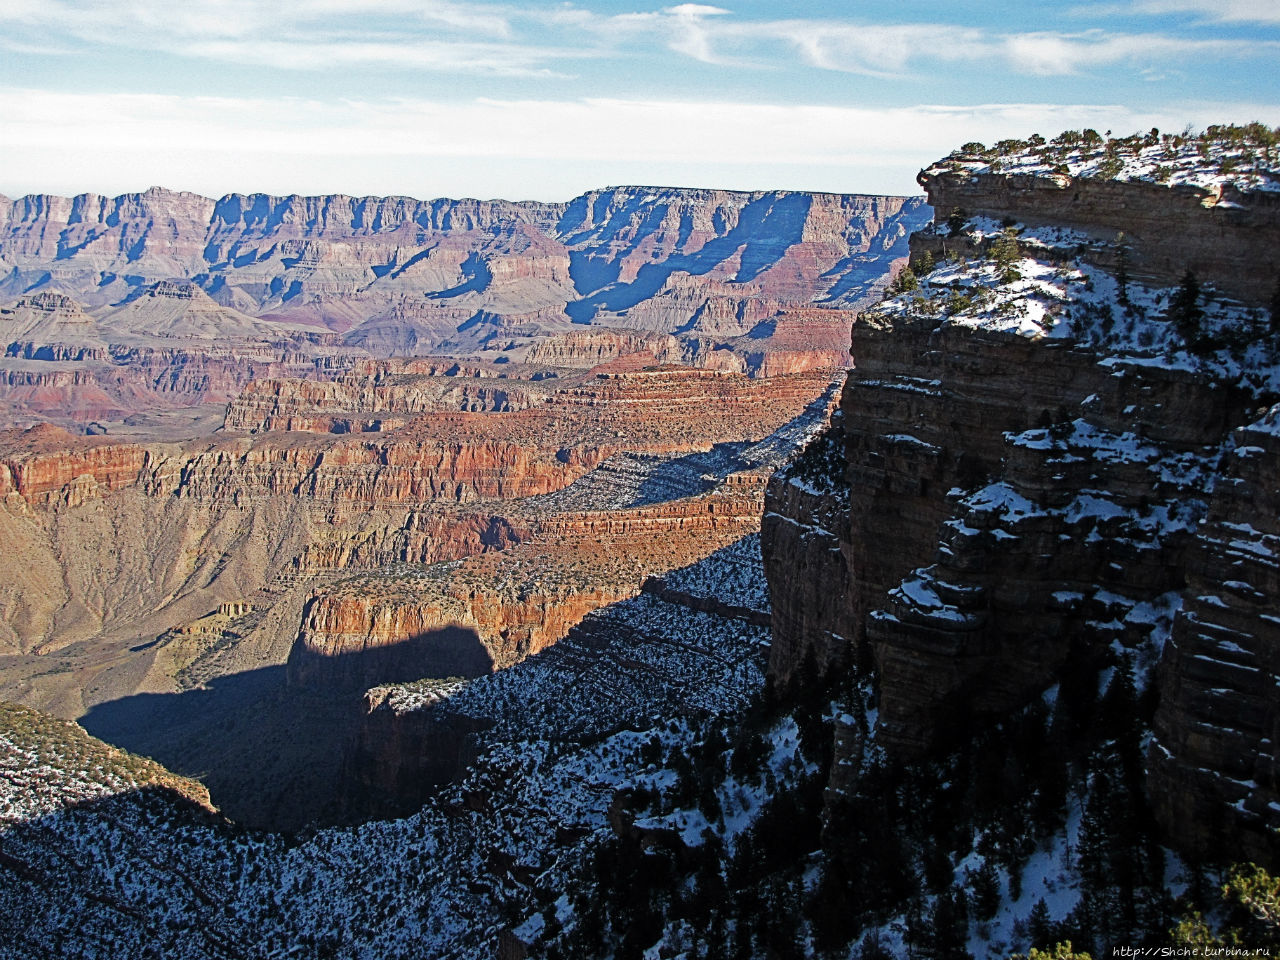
964	589
424	536
638	252
155	234
1226	236
37	467
1030	496
493	610
805	553
688	645
1214	757
589	348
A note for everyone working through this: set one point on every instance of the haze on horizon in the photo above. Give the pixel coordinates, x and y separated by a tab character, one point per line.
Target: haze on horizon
548	99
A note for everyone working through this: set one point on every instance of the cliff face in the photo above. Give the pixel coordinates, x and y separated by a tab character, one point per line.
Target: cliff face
308	285
806	557
340	260
1040	475
1213	757
1226	236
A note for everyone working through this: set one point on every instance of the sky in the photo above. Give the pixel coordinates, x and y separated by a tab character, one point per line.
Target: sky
544	99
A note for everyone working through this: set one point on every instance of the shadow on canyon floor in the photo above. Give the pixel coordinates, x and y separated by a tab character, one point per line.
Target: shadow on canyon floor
269	744
269	755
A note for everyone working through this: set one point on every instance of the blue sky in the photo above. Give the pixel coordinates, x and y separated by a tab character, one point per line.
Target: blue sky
544	99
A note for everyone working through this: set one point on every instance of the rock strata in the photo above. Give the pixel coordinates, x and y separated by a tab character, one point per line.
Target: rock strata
702	277
1226	236
1024	493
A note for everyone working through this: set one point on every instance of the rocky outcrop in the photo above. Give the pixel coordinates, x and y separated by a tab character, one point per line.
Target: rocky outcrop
403	750
965	547
492	610
590	348
1021	501
1226	236
375	398
688	646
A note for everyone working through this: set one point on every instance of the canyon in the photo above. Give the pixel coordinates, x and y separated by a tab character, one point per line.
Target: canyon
325	413
674	573
124	311
459	542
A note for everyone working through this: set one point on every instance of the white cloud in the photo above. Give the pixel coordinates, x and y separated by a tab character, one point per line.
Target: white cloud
453	56
1049	54
504	39
879	49
62	142
876	49
1227	11
696	10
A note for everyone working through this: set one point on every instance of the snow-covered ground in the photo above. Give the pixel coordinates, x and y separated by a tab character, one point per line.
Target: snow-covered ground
1045	292
1247	158
595	714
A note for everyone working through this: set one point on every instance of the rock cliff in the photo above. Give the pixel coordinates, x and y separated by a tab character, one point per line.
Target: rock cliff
307	285
492	610
1048	470
1226	236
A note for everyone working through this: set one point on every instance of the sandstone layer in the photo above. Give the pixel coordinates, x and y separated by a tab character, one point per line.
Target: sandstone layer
158	300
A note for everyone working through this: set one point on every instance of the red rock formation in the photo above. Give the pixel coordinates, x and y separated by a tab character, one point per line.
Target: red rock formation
46	465
220	293
494	609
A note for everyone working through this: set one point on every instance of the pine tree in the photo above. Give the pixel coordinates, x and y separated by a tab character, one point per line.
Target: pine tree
1122	269
984	891
1185	312
905	282
1040	924
1006	254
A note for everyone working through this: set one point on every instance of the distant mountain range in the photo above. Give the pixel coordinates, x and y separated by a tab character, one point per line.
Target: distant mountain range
395	274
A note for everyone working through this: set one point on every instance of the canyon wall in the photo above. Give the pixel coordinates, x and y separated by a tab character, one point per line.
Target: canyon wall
148	302
1226	236
1013	505
118	547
